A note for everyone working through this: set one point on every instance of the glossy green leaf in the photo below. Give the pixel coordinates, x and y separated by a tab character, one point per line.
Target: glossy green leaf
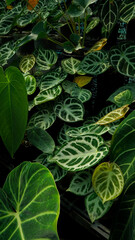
71	65
47	95
45	59
123	146
81	153
69	110
30	203
127	10
14	108
95	63
123	59
30	83
81	183
68	47
7	51
108	181
41	139
95	207
27	63
124	223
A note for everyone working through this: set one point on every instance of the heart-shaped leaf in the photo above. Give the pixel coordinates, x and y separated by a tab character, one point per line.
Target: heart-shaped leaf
30	210
123	98
83	95
71	65
30	83
45	59
27	63
108	181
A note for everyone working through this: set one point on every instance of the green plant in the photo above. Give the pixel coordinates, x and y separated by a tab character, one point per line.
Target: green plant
54	80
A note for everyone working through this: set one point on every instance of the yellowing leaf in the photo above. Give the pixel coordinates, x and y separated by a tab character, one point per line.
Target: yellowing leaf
9	7
82	80
32	4
113	115
97	46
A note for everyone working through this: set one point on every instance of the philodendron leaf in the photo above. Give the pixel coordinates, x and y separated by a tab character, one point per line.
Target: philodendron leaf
69	110
122	58
108	181
48	95
7	51
123	146
113	115
95	207
41	139
45	59
127	11
13	108
71	65
81	153
30	203
82	80
81	183
95	63
27	63
124	223
30	83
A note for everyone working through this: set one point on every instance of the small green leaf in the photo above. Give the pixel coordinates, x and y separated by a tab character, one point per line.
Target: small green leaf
30	83
93	23
108	181
71	65
27	63
57	172
7	51
123	98
45	59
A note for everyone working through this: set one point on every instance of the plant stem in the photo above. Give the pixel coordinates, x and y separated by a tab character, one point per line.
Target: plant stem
54	41
71	20
85	25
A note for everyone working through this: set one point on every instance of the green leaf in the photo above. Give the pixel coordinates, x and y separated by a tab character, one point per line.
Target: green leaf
95	63
41	139
71	65
127	10
124	223
69	110
30	83
6	22
27	63
122	59
62	136
84	3
75	10
75	38
68	47
83	94
45	59
48	95
57	172
81	183
81	153
123	146
8	2
30	203
7	51
26	18
95	207
93	23
123	98
108	181
14	108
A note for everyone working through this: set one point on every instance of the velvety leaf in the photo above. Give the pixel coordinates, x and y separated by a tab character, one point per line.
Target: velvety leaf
27	63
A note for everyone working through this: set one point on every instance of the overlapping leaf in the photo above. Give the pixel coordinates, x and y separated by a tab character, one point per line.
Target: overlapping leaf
94	22
45	59
82	80
71	65
7	51
62	136
83	95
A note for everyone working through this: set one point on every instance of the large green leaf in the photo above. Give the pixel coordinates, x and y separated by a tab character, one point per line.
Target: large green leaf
7	51
13	108
45	59
29	206
123	59
95	63
127	10
123	146
81	153
124	223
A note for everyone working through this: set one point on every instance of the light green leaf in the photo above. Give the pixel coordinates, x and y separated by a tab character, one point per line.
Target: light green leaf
82	94
71	65
123	98
7	51
41	139
14	108
30	203
48	95
69	110
127	10
30	83
93	23
27	63
108	181
81	153
45	59
95	207
81	183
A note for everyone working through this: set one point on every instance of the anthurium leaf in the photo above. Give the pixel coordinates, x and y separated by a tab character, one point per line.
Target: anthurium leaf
127	10
81	153
82	80
52	79
27	63
71	65
123	98
93	23
45	59
14	110
69	110
62	136
42	119
123	146
114	115
108	181
7	51
95	63
95	207
81	183
109	14
30	210
41	139
124	223
122	58
30	83
47	95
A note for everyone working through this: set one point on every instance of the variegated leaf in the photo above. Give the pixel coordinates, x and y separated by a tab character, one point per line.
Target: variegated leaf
70	110
127	10
30	83
57	172
6	22
123	98
81	153
7	51
27	63
45	59
26	18
94	22
71	65
62	136
108	181
97	46
47	95
83	95
81	183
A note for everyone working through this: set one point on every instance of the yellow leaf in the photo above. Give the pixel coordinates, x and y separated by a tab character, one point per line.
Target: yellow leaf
32	4
9	7
97	46
113	115
82	80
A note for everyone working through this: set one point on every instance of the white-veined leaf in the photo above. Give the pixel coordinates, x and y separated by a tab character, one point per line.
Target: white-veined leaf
62	136
27	63
127	11
71	65
7	51
93	23
30	83
82	94
45	59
